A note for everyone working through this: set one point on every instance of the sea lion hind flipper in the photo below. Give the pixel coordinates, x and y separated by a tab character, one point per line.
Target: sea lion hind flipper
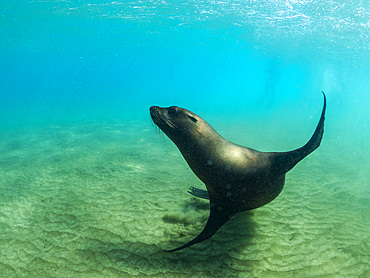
285	161
200	193
215	221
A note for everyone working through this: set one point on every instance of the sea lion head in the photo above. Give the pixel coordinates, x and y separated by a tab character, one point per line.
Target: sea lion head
179	124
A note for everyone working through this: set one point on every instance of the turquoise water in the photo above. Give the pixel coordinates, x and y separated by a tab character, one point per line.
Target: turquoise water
88	188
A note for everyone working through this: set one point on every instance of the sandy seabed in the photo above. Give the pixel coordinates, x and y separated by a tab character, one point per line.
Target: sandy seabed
104	199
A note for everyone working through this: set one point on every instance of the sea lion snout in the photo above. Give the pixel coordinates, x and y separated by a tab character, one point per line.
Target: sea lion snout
162	117
154	113
173	117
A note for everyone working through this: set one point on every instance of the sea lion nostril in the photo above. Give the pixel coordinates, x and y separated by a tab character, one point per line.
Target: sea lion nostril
172	110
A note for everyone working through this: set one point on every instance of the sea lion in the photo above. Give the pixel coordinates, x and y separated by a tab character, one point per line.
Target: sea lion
237	178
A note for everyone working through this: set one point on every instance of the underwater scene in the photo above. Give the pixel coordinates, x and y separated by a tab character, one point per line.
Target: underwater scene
90	186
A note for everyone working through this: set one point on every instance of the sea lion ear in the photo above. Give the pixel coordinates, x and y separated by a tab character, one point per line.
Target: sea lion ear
193	119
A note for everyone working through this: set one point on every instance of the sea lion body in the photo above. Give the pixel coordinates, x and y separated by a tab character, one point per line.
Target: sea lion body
237	178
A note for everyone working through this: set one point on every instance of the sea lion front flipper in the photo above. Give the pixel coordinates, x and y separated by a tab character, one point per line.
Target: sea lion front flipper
200	193
216	219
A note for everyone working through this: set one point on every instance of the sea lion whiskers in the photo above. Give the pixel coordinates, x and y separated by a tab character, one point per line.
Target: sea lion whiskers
158	130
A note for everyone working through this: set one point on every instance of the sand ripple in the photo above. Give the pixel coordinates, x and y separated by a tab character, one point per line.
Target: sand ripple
92	201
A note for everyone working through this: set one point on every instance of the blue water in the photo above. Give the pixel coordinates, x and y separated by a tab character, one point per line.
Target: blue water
70	65
64	59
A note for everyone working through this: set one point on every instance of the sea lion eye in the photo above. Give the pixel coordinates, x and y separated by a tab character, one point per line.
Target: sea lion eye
172	110
193	119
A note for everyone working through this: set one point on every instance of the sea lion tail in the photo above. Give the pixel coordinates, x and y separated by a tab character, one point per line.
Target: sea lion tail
287	160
